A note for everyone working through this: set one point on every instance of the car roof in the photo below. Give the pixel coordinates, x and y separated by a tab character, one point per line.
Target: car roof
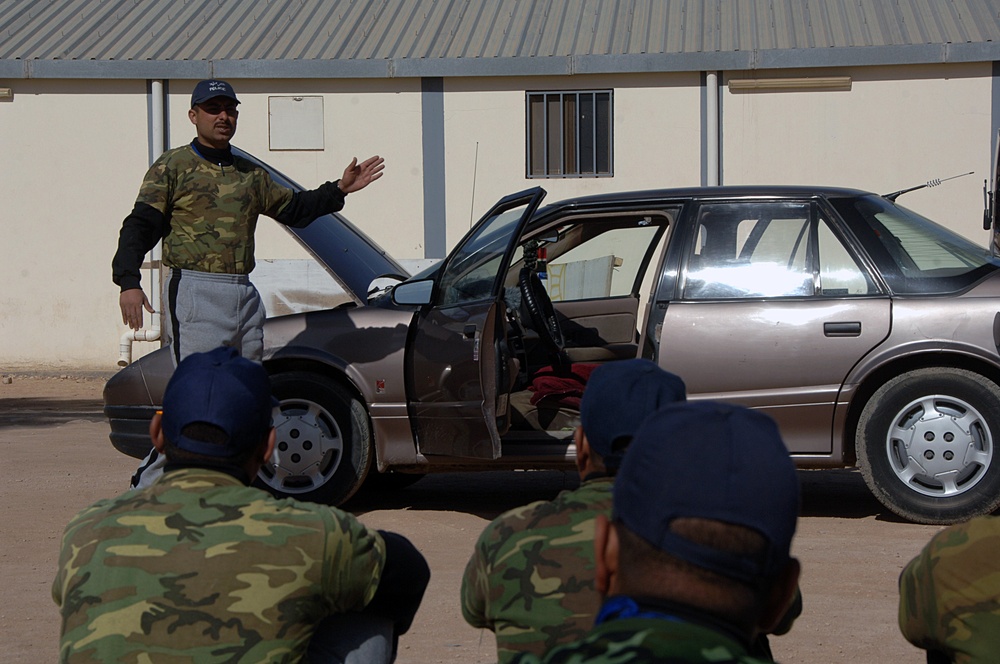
651	196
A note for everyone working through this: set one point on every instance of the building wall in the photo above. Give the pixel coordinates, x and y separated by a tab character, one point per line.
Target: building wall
75	152
73	155
897	127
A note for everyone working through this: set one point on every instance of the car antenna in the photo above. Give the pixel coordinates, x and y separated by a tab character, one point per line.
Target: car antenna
930	183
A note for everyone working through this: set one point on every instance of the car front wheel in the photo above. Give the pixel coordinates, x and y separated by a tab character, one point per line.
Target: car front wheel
927	445
323	443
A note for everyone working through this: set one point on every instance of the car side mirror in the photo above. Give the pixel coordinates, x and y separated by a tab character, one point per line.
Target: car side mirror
413	292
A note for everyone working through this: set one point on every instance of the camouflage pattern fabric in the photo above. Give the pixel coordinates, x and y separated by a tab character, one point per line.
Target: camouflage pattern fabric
949	595
200	568
644	641
212	209
531	577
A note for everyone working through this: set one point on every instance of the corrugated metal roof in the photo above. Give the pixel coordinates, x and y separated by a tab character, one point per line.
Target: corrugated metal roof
264	38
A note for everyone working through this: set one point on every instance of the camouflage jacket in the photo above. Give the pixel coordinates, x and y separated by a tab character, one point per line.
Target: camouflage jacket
531	577
647	641
948	593
206	214
200	568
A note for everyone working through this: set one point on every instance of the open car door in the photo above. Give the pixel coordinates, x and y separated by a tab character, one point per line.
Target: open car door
455	366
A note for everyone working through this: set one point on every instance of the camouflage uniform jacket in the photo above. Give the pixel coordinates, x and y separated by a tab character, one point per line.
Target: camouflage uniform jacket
531	577
206	213
948	594
200	568
645	641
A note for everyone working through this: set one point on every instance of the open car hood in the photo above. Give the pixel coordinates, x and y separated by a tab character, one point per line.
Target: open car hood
352	258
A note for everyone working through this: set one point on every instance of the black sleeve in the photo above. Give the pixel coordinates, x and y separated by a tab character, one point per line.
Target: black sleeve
306	206
402	584
141	230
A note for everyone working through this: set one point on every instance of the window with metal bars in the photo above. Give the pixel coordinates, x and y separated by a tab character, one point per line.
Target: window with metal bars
569	134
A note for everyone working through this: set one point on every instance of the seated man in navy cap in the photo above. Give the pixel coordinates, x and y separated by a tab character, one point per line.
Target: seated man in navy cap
695	561
200	567
531	577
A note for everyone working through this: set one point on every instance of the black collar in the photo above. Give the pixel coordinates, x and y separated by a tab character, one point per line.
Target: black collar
214	155
621	606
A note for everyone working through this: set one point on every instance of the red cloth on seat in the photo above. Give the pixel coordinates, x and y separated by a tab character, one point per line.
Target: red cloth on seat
565	386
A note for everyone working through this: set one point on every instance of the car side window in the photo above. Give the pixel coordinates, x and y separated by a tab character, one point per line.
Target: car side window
768	249
839	272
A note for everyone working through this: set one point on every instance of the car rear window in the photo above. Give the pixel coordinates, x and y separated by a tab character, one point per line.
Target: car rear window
914	254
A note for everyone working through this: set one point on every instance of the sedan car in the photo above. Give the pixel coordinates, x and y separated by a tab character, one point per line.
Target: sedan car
869	333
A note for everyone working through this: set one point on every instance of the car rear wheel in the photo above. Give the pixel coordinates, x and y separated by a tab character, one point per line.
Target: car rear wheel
927	445
323	444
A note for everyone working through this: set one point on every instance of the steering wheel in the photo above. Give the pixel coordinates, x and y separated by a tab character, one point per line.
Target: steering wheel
543	315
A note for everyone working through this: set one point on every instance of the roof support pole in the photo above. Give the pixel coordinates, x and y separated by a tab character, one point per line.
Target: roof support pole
712	129
155	109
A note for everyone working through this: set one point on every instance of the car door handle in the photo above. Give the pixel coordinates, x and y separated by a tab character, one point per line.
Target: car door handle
852	329
469	331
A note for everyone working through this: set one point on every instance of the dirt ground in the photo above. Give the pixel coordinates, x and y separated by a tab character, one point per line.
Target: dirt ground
57	460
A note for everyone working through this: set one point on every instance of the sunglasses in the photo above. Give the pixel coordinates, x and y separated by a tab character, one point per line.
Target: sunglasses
216	107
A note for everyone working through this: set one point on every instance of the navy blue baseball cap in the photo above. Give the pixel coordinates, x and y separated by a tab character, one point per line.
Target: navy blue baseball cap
711	461
618	397
222	389
210	89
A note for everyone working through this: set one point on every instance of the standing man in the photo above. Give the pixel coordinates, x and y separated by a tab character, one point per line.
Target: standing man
203	202
200	567
695	561
531	577
949	596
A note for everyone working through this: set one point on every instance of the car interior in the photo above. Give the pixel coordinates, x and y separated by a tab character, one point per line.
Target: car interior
574	297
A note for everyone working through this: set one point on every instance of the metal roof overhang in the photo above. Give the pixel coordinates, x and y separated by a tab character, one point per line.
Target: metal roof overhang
772	59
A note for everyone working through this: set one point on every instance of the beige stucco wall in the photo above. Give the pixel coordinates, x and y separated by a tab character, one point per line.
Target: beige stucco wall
73	156
74	153
894	129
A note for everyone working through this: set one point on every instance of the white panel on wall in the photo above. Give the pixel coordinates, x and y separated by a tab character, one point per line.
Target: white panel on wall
295	123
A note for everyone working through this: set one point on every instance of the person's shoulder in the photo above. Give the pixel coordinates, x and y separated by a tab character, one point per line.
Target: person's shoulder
180	153
982	529
565	508
959	556
566	520
977	538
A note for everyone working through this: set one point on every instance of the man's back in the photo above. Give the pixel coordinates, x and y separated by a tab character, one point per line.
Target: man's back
205	569
531	578
644	640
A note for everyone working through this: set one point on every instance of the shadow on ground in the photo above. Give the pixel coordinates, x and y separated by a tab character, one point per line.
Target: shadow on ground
484	494
45	411
825	493
840	493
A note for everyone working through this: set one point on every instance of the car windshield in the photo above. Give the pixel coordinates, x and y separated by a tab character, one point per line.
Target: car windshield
916	255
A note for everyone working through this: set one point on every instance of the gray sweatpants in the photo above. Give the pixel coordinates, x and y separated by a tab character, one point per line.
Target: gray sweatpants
205	311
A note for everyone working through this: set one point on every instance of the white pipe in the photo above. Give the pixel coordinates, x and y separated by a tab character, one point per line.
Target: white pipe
125	344
712	128
157	107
